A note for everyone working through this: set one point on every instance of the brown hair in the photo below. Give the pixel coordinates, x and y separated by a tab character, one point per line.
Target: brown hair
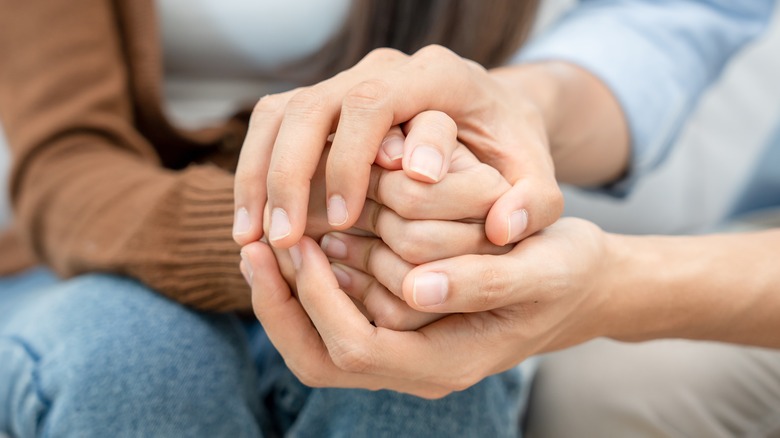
485	31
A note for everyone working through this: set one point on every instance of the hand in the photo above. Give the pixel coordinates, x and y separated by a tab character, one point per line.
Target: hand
288	133
462	199
398	207
406	226
292	333
545	294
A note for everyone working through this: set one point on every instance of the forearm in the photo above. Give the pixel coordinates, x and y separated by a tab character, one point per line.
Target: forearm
586	128
89	191
719	287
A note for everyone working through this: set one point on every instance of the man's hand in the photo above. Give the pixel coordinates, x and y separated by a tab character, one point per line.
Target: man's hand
541	296
288	133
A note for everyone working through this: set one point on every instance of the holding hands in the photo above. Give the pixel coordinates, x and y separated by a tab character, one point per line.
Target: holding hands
289	131
467	175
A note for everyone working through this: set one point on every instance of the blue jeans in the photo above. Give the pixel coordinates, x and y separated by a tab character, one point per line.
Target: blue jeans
100	355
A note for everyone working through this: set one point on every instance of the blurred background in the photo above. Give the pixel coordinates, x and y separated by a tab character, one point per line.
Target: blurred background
688	193
719	145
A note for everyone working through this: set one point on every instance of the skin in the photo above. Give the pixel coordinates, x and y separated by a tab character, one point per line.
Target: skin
506	117
565	285
558	287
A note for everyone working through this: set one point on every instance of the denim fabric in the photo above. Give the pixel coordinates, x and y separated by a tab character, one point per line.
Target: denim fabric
104	356
100	355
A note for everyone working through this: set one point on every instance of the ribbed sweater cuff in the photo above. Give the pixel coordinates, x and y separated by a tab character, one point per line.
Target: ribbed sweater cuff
193	229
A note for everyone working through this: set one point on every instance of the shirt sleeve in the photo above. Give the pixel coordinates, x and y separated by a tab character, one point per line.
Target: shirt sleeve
656	56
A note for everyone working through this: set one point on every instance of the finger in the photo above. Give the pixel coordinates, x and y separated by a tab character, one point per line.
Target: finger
279	312
350	339
535	200
392	149
431	138
308	119
382	307
311	115
462	195
422	241
252	170
469	283
392	96
369	255
532	204
297	340
365	119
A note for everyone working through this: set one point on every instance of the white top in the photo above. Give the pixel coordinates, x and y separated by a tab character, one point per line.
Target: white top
220	54
217	53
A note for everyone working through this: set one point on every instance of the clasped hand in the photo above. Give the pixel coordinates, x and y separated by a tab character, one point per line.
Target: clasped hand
474	306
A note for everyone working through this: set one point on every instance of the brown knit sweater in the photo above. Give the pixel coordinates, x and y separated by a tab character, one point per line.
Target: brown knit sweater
101	181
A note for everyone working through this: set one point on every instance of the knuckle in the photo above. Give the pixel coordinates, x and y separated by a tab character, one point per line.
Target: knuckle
352	358
475	67
309	376
416	246
368	95
441	125
305	104
436	52
490	286
410	201
247	176
444	60
391	317
384	55
284	179
269	104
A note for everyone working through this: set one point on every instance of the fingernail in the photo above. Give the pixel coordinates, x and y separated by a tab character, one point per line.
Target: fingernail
517	223
393	148
337	210
342	277
333	247
241	223
280	224
427	161
295	255
246	269
429	289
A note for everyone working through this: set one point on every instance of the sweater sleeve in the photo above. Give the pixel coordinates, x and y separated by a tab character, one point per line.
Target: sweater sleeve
89	191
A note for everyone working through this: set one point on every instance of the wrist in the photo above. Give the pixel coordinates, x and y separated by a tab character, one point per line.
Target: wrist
533	85
642	279
587	130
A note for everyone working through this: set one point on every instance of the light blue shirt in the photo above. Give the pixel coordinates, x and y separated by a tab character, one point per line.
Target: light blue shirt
657	57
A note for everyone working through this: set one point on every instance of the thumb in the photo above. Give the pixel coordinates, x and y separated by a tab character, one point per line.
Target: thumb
470	283
531	204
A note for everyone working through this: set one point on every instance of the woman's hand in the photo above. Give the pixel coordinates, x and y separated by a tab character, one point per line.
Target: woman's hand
289	131
417	223
543	295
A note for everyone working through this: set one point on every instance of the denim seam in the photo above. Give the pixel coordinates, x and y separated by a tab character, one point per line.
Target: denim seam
36	358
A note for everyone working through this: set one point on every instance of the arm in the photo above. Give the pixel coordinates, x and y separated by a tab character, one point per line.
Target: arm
566	285
719	287
653	58
89	191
